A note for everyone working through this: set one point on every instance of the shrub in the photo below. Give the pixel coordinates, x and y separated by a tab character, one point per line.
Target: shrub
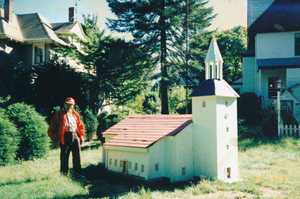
108	120
249	108
33	130
9	139
90	124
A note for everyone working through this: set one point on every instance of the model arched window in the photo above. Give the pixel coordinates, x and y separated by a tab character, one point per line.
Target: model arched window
226	103
203	103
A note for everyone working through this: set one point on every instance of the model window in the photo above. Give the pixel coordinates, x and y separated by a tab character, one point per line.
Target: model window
142	168
136	166
109	161
227	146
203	103
226	103
116	161
38	54
272	91
121	163
129	165
156	167
297	44
227	129
183	171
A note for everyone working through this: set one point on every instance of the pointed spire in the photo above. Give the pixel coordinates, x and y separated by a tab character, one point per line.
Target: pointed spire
213	62
213	53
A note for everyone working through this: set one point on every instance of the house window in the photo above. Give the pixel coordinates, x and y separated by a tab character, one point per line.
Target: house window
227	129
116	161
129	165
227	147
156	167
142	168
38	54
297	44
203	103
121	163
272	91
136	166
183	171
226	103
109	161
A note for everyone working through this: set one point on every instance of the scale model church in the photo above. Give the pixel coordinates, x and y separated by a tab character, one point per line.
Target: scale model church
180	147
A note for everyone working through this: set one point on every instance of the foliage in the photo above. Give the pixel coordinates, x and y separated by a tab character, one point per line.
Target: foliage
232	43
249	108
177	100
107	120
90	123
159	27
119	69
32	127
9	139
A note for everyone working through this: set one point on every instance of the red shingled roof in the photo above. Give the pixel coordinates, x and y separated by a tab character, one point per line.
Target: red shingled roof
144	130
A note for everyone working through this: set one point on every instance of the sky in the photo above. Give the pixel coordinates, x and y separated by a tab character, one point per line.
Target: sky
231	13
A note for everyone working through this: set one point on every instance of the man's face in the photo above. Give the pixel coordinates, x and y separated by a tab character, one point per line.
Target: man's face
68	106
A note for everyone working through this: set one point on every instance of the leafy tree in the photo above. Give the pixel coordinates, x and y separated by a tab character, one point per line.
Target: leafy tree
90	123
232	44
159	27
118	68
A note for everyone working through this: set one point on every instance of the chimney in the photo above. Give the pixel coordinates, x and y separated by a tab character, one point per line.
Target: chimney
8	10
72	14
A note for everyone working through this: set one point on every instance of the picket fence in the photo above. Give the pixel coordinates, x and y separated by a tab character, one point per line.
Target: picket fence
290	131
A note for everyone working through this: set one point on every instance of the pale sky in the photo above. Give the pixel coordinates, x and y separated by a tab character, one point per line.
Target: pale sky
231	12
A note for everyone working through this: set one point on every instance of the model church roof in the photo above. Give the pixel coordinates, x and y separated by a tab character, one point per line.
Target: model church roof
142	131
214	87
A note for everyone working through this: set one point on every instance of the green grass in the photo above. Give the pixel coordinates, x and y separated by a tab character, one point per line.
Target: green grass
268	169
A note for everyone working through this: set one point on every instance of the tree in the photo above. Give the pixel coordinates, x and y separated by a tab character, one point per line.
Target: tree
158	26
118	68
232	44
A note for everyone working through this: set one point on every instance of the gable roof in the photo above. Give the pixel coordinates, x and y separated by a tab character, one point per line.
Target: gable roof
281	15
28	28
142	131
214	87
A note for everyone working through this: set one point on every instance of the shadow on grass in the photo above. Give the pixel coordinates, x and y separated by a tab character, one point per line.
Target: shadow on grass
103	183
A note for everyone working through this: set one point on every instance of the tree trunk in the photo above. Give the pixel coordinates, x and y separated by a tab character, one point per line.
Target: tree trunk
164	75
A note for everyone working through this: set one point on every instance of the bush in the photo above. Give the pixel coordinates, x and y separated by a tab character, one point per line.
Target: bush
249	108
108	120
9	139
90	123
33	130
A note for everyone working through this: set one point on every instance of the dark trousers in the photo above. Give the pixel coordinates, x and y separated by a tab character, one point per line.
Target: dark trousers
72	143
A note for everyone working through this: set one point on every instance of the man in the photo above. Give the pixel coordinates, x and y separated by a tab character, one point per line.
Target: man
67	127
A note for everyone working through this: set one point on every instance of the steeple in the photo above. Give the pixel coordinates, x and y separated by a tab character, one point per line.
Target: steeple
213	62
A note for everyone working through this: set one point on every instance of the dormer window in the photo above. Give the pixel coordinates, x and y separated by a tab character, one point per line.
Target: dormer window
297	44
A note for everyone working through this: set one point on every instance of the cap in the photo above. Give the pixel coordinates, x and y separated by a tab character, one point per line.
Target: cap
70	100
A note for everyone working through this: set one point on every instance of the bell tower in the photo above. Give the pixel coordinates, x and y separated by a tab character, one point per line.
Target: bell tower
214	111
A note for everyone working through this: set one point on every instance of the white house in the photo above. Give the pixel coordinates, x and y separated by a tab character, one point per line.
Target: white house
180	147
273	52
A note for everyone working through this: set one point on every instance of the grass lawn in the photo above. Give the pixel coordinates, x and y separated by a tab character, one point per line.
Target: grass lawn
268	169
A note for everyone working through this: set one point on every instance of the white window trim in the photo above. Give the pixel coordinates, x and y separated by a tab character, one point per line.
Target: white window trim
42	46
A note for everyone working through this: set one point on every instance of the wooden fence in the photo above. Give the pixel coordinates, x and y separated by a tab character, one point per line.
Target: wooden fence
290	131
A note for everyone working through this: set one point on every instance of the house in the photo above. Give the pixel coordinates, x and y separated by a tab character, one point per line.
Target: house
30	37
180	147
273	52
